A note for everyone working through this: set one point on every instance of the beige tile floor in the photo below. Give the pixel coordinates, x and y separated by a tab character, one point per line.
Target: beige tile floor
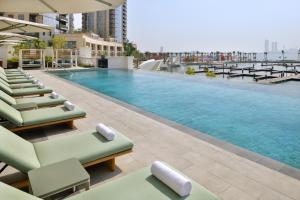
230	176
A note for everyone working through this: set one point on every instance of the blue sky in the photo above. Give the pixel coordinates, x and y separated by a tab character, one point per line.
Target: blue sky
187	25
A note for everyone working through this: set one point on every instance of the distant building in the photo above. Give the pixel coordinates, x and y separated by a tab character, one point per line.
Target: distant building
161	49
267	46
274	47
108	23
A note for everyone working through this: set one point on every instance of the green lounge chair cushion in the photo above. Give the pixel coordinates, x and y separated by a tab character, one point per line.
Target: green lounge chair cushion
86	147
16	77
11	193
12	75
23	85
44	115
17	152
9	113
5	88
30	91
18	85
41	101
19	81
7	99
141	185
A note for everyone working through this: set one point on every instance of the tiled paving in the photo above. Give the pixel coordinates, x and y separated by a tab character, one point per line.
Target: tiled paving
228	175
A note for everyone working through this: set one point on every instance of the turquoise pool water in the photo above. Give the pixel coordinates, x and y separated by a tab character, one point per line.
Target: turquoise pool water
262	118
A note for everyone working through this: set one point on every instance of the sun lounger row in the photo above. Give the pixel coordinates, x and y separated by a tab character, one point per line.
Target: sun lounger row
32	112
21	85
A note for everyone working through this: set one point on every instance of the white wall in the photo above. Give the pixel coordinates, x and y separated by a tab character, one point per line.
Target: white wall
150	64
120	62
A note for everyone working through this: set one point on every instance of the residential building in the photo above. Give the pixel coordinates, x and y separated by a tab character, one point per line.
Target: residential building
107	24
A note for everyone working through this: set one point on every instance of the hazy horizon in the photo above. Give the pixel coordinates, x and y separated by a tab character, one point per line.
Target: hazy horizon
192	25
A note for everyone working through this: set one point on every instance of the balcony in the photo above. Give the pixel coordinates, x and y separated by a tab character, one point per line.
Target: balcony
62	18
61	27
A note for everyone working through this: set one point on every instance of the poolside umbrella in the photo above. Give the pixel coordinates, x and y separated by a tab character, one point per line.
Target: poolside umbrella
15	36
21	26
57	6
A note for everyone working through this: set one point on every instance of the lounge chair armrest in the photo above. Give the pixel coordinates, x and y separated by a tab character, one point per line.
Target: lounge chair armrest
26	106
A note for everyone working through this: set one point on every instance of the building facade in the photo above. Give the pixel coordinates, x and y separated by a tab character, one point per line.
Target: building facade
107	24
99	46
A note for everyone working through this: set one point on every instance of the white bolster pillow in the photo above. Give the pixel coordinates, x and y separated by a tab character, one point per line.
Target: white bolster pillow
54	95
69	105
30	77
177	182
35	81
106	132
41	85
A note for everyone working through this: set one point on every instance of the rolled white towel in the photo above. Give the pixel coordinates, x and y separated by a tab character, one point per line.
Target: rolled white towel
106	132
54	95
41	85
30	77
177	182
69	105
35	81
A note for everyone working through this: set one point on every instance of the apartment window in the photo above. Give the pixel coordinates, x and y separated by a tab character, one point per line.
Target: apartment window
50	33
1	14
21	17
10	16
44	33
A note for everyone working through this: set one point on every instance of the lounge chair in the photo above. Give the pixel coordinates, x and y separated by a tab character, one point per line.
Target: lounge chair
89	147
15	81
139	185
29	119
19	85
23	103
24	91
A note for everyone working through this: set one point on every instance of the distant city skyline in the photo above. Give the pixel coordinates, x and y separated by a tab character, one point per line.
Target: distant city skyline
192	25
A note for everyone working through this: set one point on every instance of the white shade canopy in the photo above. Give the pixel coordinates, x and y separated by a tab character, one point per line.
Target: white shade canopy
15	36
21	26
57	6
10	41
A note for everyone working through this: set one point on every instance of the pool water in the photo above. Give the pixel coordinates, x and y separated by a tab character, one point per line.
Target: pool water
261	118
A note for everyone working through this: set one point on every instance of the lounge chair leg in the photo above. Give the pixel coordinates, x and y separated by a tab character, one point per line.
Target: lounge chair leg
70	124
3	168
111	164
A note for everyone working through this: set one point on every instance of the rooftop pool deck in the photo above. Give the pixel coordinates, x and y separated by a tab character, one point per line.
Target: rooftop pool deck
217	166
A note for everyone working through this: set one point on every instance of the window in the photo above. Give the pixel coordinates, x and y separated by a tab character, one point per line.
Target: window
10	16
70	45
21	17
43	33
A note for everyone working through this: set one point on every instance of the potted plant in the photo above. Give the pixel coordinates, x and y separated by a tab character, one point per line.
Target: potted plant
12	62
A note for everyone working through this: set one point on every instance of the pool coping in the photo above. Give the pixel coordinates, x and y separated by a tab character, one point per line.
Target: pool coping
252	156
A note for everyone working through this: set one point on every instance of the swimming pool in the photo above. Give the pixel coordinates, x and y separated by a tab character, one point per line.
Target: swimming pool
261	118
